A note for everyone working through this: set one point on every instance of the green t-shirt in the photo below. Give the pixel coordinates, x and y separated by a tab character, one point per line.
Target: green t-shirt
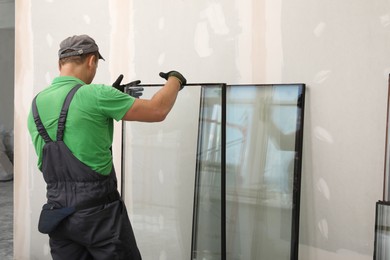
89	126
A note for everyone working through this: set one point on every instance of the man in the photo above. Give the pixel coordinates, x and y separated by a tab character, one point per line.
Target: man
72	129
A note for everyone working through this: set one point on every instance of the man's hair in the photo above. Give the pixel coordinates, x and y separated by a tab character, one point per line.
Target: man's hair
79	59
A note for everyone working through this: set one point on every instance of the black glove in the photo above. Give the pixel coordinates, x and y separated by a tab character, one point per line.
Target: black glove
175	74
129	87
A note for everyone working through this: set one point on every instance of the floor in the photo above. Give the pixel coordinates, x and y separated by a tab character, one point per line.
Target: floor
6	220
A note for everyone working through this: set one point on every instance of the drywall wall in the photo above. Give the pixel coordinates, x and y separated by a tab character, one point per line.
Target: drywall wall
339	49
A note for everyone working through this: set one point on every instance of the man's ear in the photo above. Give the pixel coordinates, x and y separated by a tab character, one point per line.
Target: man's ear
92	60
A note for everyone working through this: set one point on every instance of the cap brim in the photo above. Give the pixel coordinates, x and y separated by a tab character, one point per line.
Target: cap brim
101	57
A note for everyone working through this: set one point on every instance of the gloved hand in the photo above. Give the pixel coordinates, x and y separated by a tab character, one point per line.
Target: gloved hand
175	74
129	87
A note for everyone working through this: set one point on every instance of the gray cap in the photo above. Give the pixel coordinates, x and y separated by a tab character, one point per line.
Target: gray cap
78	45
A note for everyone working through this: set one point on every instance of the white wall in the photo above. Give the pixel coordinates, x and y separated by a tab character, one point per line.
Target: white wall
340	49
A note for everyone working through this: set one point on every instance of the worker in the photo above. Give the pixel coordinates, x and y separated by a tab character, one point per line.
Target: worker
71	126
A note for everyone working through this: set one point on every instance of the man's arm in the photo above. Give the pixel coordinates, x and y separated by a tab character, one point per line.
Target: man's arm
157	108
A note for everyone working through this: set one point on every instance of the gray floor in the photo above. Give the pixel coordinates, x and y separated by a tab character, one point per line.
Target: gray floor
6	220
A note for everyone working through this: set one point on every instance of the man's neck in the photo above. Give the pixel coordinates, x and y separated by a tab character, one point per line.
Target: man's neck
73	71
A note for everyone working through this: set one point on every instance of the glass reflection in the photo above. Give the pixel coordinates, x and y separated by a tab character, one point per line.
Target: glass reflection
261	129
207	211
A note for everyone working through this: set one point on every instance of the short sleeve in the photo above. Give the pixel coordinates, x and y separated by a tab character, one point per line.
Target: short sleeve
112	102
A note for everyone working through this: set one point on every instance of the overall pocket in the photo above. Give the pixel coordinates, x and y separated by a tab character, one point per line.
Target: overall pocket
51	217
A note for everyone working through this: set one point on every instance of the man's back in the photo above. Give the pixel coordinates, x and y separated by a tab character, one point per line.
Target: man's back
89	126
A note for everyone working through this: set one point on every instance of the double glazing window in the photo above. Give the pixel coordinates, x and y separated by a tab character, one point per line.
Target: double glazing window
220	177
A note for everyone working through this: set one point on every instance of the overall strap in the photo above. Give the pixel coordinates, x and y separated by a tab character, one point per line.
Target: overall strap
41	129
64	112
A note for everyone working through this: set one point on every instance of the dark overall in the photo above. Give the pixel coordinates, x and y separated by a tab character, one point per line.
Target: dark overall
98	232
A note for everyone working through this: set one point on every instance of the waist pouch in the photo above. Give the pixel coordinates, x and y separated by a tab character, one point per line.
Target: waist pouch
51	217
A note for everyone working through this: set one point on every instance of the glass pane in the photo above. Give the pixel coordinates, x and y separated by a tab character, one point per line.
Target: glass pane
386	192
261	130
207	211
245	174
382	231
159	162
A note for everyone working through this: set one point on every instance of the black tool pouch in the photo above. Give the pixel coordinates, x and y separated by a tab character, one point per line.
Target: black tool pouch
51	217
